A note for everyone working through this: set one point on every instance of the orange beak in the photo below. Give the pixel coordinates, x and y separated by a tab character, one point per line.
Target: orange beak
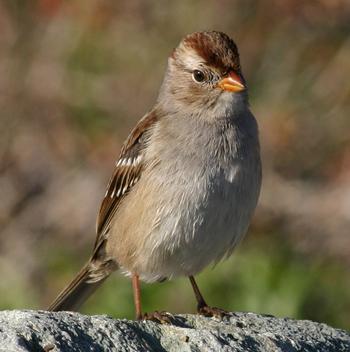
231	83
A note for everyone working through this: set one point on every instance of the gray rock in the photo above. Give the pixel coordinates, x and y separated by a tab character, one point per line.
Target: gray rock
68	331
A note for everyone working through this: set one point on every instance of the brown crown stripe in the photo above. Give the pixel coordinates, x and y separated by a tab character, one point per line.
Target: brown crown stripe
216	48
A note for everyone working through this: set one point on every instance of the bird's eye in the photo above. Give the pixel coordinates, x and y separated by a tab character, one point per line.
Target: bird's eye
198	76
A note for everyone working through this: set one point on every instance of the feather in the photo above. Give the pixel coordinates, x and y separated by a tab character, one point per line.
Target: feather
127	173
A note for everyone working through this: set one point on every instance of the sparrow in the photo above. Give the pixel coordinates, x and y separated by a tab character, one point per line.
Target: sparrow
187	180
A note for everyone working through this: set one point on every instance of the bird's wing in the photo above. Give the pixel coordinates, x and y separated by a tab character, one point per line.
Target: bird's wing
126	174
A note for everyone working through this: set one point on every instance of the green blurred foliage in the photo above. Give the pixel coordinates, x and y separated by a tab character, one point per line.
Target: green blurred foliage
263	276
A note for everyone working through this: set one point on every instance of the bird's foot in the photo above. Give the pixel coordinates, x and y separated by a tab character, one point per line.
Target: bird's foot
158	317
208	311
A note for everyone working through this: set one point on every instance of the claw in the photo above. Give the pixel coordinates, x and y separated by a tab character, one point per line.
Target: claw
213	312
159	317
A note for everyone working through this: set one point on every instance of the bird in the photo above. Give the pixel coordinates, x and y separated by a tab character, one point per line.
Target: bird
186	183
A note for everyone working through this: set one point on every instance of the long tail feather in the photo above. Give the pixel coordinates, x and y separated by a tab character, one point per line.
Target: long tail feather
78	291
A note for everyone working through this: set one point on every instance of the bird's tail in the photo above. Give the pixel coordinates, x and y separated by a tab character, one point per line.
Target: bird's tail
81	287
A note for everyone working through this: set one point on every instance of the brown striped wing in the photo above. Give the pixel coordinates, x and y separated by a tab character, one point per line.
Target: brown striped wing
126	174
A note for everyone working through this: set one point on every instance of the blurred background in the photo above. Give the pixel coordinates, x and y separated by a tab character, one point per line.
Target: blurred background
75	76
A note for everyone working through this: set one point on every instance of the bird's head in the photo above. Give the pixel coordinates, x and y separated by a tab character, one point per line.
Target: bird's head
204	75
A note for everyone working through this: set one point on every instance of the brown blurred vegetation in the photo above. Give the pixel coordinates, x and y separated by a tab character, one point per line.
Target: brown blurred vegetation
76	76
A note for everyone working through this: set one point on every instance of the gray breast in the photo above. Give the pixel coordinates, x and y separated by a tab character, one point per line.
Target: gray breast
211	179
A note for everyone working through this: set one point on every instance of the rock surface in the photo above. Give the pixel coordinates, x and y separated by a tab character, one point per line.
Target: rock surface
66	331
